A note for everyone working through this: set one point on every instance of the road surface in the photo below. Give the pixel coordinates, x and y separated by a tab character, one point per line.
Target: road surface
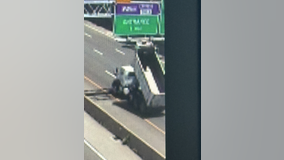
89	154
102	54
99	143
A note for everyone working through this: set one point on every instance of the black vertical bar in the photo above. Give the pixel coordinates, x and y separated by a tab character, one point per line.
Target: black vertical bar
183	79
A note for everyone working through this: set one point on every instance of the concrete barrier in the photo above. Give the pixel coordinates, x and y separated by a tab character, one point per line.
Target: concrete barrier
110	123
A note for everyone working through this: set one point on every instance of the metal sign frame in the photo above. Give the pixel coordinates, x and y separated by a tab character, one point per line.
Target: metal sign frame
98	9
162	15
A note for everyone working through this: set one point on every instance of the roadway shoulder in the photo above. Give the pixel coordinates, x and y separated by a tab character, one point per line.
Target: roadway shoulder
104	141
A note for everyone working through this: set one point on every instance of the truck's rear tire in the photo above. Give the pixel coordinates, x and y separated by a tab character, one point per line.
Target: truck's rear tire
142	108
130	99
115	86
135	103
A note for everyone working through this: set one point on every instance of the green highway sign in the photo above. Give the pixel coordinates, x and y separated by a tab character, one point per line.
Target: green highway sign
136	25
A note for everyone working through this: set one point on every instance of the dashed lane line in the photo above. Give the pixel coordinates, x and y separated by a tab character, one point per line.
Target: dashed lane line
119	51
100	53
109	73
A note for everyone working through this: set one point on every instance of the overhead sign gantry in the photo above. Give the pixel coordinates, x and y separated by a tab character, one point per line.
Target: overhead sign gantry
98	8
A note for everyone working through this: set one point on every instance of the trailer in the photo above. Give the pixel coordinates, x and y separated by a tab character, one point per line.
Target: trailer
143	84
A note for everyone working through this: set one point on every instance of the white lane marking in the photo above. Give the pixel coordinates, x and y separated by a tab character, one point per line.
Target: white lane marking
98	51
112	75
94	150
94	103
86	34
119	51
108	34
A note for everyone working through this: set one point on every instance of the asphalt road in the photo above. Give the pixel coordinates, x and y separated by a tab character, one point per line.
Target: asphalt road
102	54
99	143
122	114
89	154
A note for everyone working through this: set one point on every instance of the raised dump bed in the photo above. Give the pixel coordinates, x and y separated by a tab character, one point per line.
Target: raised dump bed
150	75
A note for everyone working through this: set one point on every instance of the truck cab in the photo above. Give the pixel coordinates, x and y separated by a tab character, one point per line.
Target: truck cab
125	76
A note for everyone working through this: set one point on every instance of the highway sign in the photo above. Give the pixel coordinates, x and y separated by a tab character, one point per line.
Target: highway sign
162	19
136	25
138	9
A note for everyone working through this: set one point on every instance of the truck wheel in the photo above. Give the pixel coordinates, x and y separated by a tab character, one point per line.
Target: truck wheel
135	103
115	86
142	107
130	99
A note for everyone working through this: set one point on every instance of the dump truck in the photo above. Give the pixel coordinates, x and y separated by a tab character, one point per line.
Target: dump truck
143	83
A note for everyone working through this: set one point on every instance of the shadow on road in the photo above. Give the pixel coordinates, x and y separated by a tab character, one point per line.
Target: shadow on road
129	46
124	105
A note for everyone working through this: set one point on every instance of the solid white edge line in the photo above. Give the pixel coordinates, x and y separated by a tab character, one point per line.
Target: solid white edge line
112	75
106	34
86	34
112	117
98	51
94	150
119	51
